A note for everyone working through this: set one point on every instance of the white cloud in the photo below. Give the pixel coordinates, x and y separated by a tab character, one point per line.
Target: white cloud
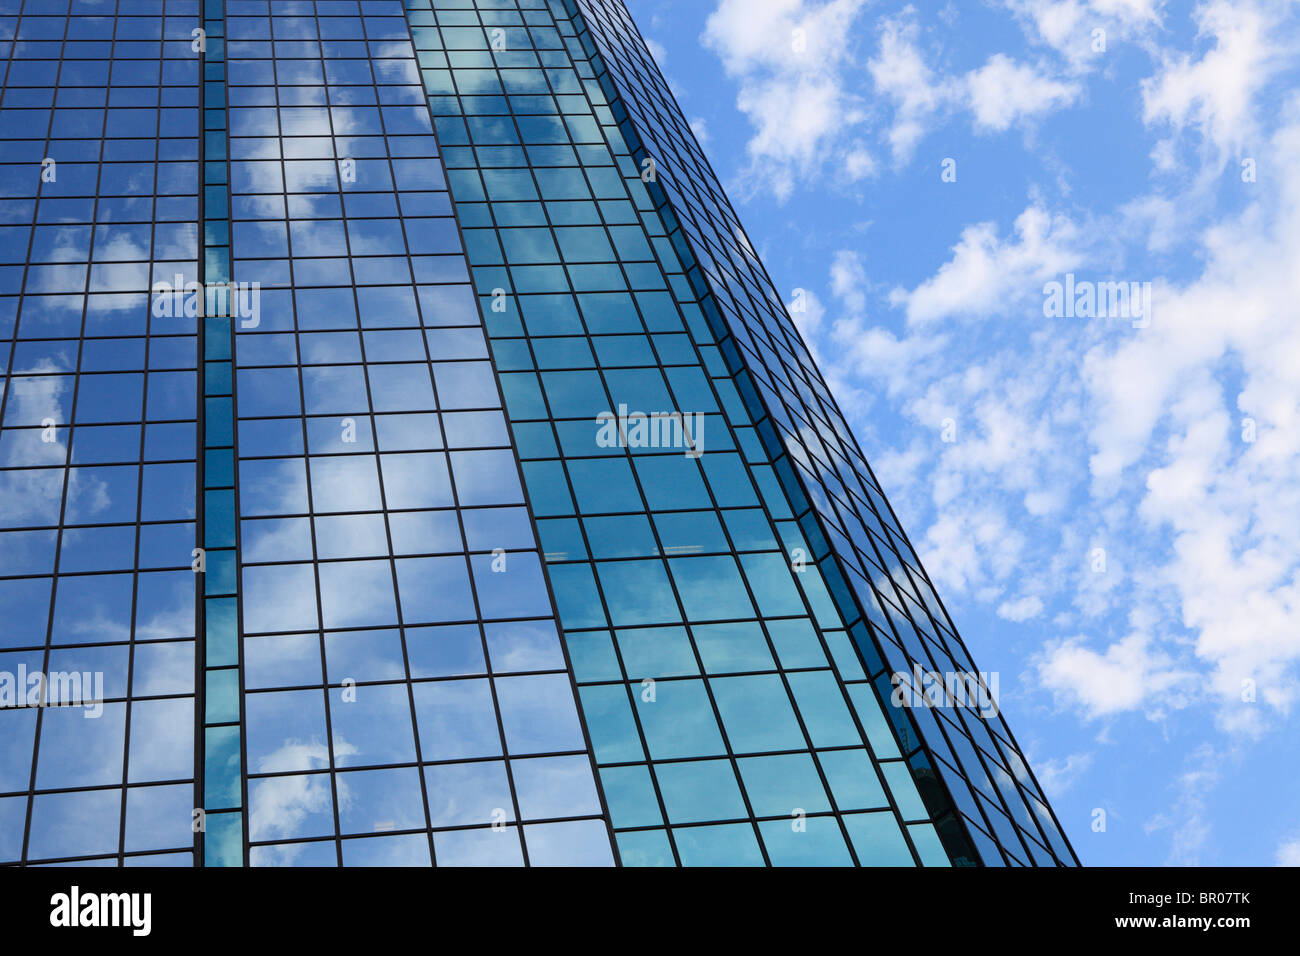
1288	854
1058	23
657	51
1128	675
800	86
900	73
862	346
792	61
872	351
859	163
1132	440
966	548
1216	93
808	313
1066	26
1073	435
1024	609
987	274
1188	821
1229	504
794	115
1003	91
1130	11
848	280
1057	776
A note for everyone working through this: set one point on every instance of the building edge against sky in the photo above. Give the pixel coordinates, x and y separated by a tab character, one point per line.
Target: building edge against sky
456	606
814	432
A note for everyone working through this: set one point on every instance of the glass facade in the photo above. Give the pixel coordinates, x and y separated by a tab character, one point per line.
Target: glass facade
99	137
400	431
976	781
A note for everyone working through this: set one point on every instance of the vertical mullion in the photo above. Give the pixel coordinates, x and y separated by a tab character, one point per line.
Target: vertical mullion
67	460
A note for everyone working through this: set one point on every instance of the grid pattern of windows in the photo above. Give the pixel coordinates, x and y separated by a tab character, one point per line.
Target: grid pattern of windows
406	698
728	711
528	530
874	571
98	199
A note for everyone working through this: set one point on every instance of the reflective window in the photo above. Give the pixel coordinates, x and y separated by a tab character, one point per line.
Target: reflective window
99	199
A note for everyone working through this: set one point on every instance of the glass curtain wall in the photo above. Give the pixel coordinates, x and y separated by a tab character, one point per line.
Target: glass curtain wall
98	201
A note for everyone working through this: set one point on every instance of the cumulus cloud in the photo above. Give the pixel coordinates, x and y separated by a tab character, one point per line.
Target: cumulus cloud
791	59
800	83
1003	91
1172	450
1217	92
1174	447
998	95
1068	27
988	274
1221	482
1129	675
1023	609
1188	442
900	74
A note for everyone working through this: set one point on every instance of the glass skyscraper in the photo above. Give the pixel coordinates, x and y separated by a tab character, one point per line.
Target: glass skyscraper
405	459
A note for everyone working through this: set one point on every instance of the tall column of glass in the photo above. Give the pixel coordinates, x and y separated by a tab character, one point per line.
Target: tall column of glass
406	695
98	202
728	711
222	795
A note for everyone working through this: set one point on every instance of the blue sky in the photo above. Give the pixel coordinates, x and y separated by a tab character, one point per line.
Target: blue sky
1113	520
